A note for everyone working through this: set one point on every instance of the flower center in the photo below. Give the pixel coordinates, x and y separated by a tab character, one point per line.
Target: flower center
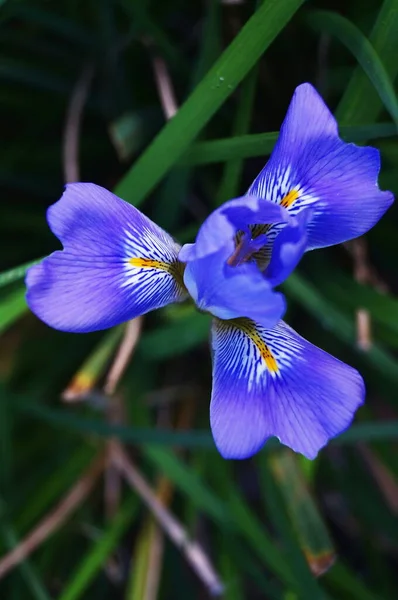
251	244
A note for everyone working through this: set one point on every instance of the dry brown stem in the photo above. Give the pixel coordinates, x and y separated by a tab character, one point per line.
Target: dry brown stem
192	551
55	518
124	353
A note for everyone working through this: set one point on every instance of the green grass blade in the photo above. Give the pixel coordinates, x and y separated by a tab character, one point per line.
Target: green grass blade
349	34
262	144
310	527
361	103
233	169
383	307
336	321
93	367
348	585
33	583
16	273
185	439
12	307
308	586
234	515
101	549
47	495
229	70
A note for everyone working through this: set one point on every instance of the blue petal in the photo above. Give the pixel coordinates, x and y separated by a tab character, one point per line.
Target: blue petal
275	383
288	248
312	166
116	264
219	229
231	292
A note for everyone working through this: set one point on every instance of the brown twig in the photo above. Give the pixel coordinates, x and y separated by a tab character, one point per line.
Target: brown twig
164	493
112	478
361	272
54	519
124	353
193	552
70	149
164	85
364	273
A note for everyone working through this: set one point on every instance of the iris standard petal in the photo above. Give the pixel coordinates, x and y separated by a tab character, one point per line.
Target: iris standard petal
312	166
288	248
275	383
219	229
228	292
116	264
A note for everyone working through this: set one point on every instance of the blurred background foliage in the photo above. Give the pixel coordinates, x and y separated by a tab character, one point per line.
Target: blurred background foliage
110	485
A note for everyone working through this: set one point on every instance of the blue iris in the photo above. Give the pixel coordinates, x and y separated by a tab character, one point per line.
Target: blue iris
116	264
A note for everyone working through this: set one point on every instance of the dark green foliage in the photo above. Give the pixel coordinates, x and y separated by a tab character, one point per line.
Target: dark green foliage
267	524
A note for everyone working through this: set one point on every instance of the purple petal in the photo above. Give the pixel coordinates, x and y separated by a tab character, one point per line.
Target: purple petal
220	228
275	383
288	248
116	264
312	166
230	292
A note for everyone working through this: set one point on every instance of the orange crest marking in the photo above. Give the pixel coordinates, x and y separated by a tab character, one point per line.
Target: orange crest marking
149	263
291	197
249	328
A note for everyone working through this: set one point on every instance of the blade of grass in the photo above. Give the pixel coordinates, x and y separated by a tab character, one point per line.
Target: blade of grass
361	102
307	585
311	530
33	583
16	273
185	439
93	367
234	515
54	487
347	584
138	580
233	168
101	549
235	62
349	34
336	321
12	307
262	144
383	307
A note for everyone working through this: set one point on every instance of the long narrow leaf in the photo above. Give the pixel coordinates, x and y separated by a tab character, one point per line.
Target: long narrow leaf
352	37
229	70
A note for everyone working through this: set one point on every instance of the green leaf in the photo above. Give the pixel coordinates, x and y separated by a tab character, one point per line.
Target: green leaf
233	169
310	527
361	102
307	584
229	70
175	338
16	273
336	321
67	420
234	515
92	368
348	584
36	588
262	144
101	549
12	306
383	307
352	37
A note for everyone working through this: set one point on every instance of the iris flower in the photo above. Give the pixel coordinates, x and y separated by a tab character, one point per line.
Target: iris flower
315	191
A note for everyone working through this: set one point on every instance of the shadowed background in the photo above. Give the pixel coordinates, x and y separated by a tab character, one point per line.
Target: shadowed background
110	485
